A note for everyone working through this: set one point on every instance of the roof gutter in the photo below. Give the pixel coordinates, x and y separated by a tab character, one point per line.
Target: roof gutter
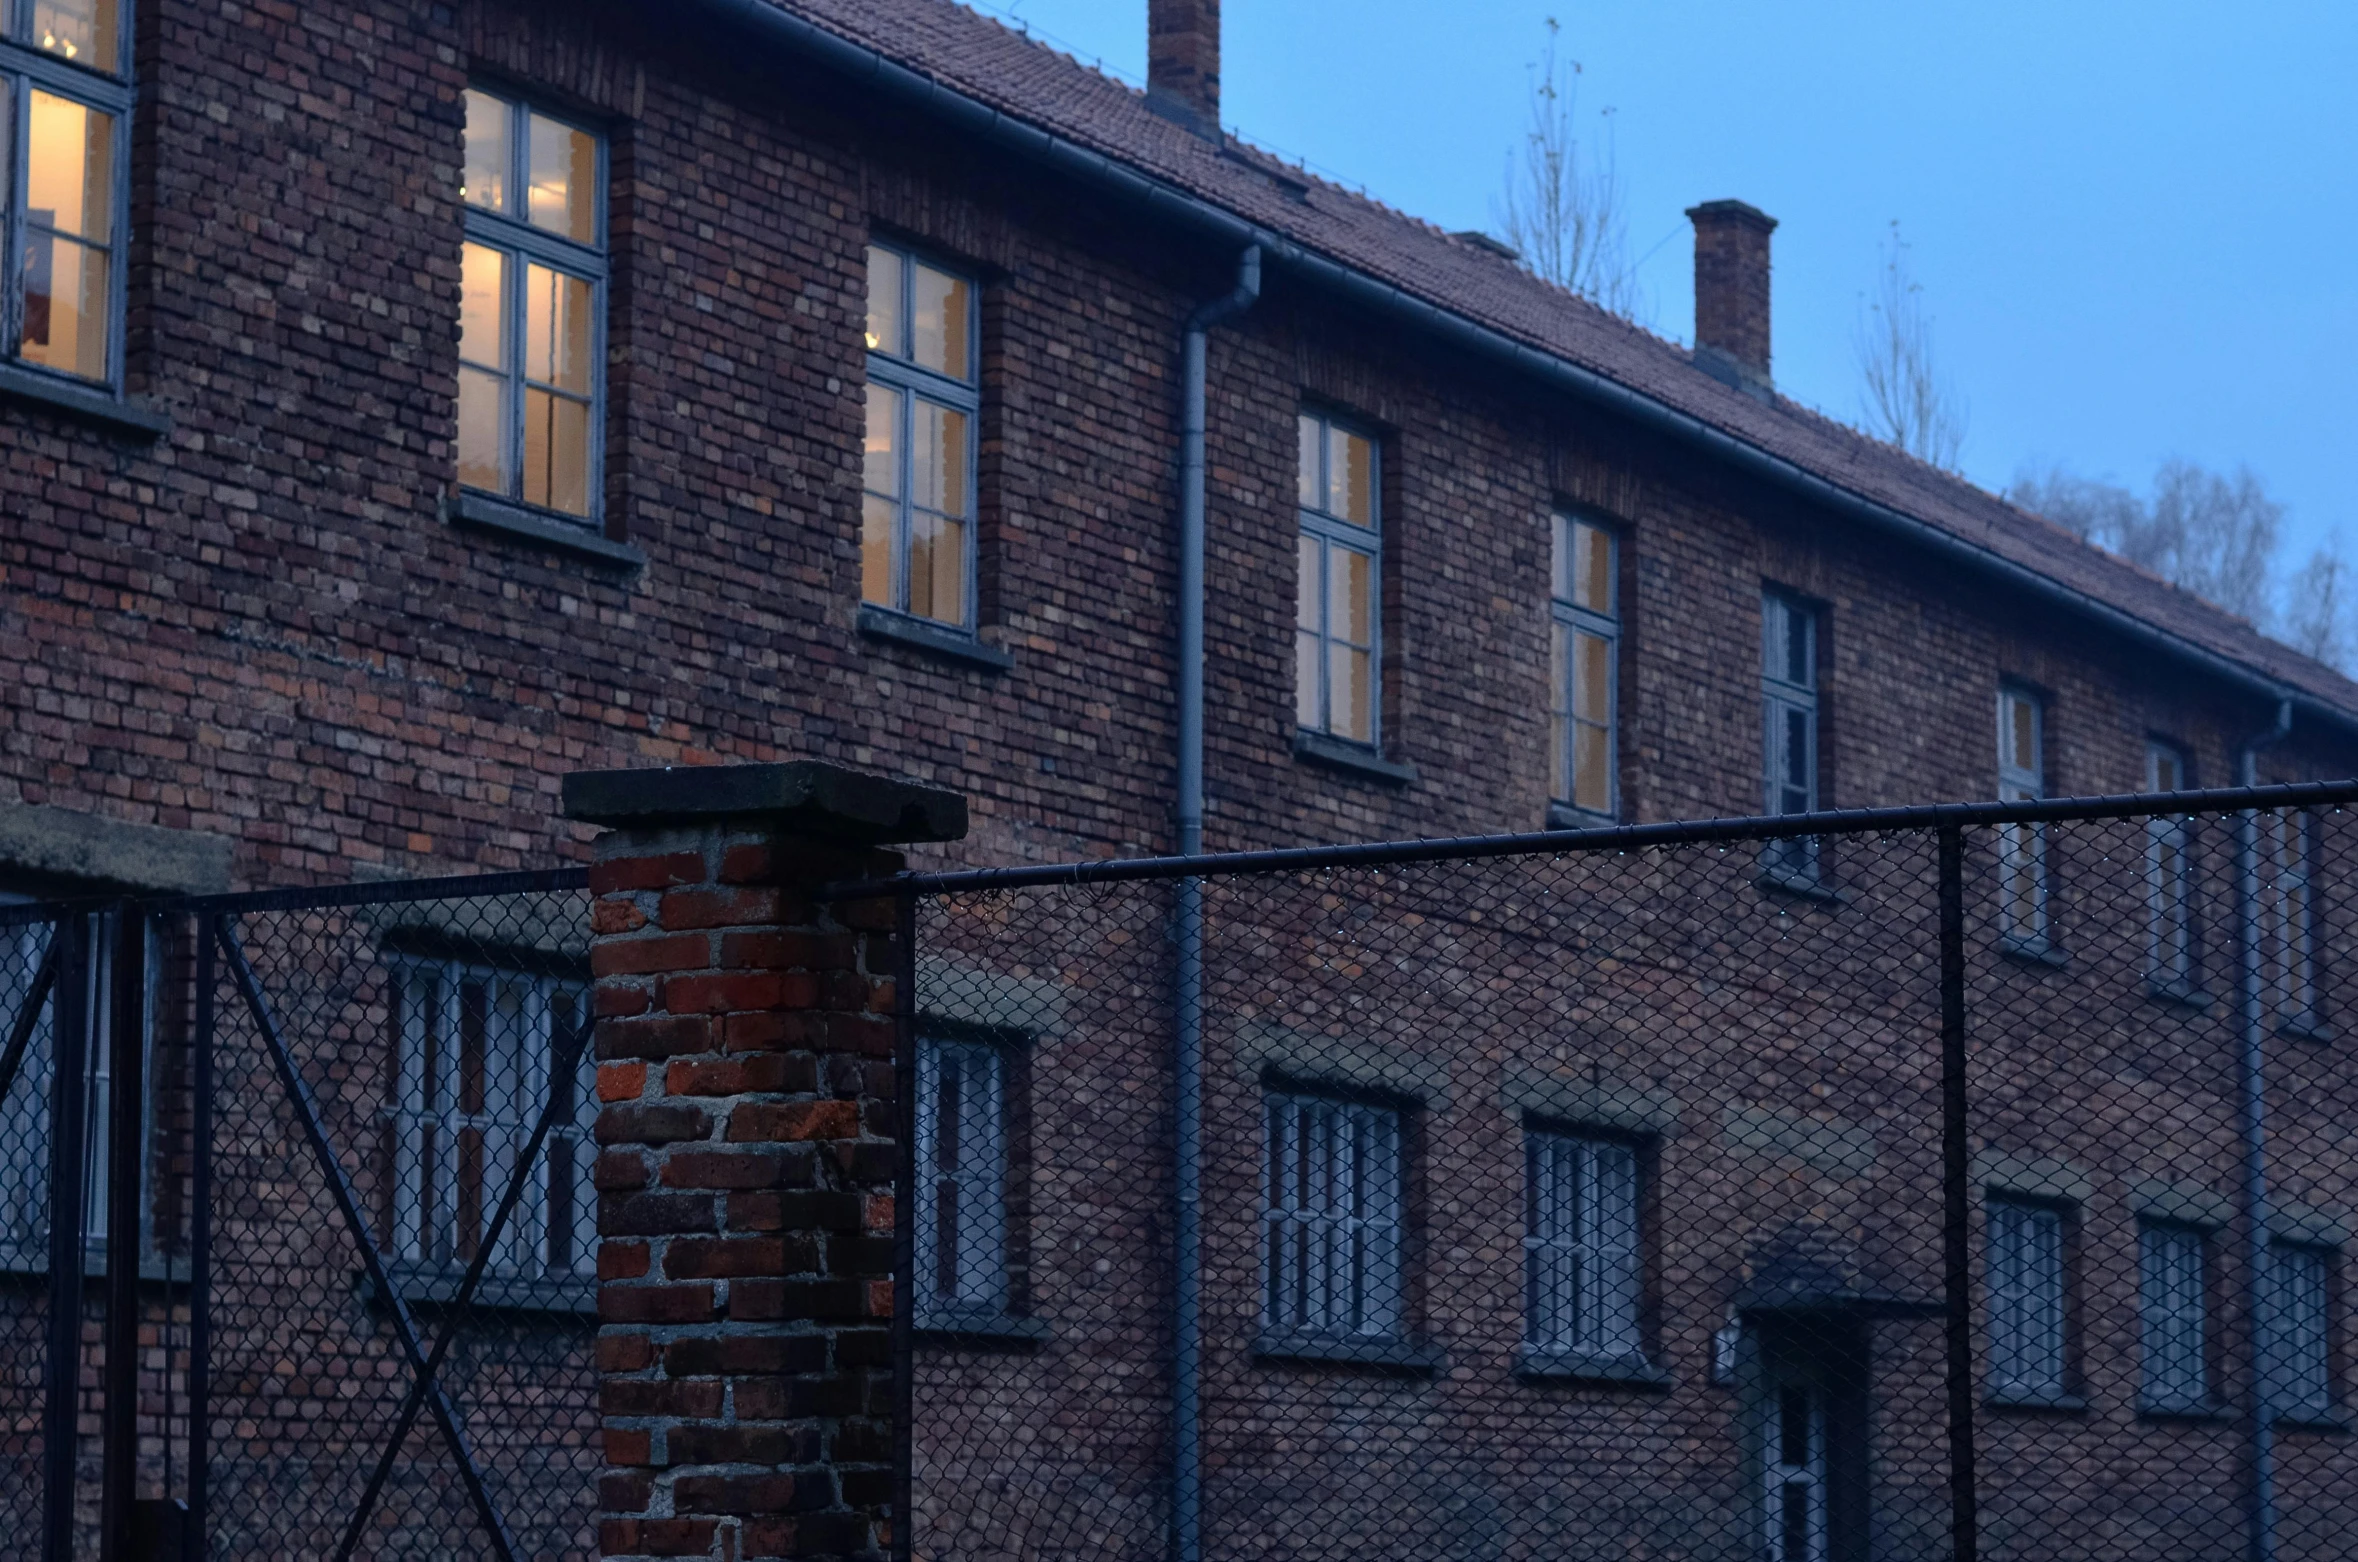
867	66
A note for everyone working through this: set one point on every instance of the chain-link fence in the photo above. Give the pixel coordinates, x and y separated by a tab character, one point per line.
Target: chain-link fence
1952	1183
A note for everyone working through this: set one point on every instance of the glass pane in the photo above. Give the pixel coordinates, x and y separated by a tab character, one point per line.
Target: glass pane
1560	562
1351	677
482	428
557	330
884	301
69	168
1306	711
1306	587
940	310
1592	584
1309	487
556	452
564	180
2022	734
1797	749
1351	614
483	313
937	567
937	458
80	30
876	518
490	123
66	318
1592	767
1798	631
1592	691
1351	477
1559	750
882	466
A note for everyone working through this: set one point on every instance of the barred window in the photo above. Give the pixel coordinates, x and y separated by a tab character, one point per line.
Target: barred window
960	1223
64	159
532	317
917	516
1337	617
2169	879
2173	1315
2297	1331
1581	1246
2026	1301
1789	689
475	1063
2022	848
2288	844
1333	1219
1586	630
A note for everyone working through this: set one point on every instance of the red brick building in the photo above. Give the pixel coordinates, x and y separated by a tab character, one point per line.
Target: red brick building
409	405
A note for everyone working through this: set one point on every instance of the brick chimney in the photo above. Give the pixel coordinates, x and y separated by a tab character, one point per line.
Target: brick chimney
1183	62
1732	293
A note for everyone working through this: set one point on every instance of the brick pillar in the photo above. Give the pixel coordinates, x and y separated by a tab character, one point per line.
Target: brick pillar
745	1043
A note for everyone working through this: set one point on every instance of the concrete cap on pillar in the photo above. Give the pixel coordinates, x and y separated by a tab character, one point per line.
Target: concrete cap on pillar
805	797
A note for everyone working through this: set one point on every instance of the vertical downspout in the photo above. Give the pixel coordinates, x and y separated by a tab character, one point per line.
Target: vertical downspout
1187	1321
2255	1138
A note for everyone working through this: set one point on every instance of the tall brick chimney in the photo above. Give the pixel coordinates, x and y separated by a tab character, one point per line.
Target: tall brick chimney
1183	62
1732	293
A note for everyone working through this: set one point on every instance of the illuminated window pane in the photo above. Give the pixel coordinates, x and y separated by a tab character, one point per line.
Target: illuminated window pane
938	458
937	567
490	124
1351	478
557	330
1350	675
1592	686
556	452
876	522
564	180
1592	768
1351	613
917	525
66	318
940	310
1559	682
1307	710
483	428
79	30
483	307
69	168
881	462
1307	584
885	276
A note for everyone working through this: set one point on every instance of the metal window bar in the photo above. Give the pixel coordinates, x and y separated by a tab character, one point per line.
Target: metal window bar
1334	1219
2026	1301
2173	1317
960	1153
1582	1246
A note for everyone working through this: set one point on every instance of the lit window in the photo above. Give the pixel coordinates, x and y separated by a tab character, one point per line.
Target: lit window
1581	1246
961	1217
476	1052
1333	1224
2297	1331
917	515
1789	689
63	139
2022	848
2027	1360
1584	651
2173	1317
1339	557
2169	879
532	308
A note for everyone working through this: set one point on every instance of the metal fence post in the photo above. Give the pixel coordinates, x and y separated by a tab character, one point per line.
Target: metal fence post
68	1114
200	1246
904	1232
126	1098
1956	1198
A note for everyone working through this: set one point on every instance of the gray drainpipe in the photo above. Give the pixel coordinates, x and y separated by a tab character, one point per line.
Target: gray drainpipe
2256	1213
1188	1064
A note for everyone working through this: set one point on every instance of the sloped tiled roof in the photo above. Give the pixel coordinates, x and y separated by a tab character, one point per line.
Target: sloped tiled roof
981	59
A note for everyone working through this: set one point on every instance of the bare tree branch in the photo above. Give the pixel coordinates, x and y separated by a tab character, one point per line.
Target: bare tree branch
1561	208
1907	402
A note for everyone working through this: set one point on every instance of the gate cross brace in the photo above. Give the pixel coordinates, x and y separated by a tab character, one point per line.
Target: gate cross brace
28	1016
250	988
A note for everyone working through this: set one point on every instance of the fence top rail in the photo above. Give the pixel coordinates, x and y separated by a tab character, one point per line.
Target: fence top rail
1612	838
464	886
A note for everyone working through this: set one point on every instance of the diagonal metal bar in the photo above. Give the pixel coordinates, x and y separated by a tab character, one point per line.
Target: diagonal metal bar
566	1056
28	1017
298	1091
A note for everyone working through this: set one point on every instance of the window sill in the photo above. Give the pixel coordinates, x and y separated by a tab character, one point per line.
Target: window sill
1351	758
2190	998
1419	1356
1563	816
981	1328
433	1285
2329	1423
882	623
2147	1410
87	403
2306	1030
2069	1404
1549	1366
481	512
17	1263
2035	951
1801	886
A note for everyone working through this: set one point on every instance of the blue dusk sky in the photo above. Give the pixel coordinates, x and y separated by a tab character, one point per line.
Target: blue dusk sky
2135	225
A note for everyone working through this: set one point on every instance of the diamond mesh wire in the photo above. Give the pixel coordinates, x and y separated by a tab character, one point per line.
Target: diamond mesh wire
27	1066
1593	1205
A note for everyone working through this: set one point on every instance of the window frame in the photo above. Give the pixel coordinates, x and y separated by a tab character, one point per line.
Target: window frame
990	1313
520	241
2018	783
1597	1340
1310	1323
1333	531
25	68
900	371
2060	1389
2289	858
2150	1399
1573	619
2325	1408
1797	861
2173	949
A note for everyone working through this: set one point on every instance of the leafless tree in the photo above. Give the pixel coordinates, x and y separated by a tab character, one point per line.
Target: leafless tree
1907	401
2315	615
1561	208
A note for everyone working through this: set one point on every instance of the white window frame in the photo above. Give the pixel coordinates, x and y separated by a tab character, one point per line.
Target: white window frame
526	245
895	365
1570	620
2297	1326
1334	1219
2173	1318
961	1183
2022	848
2171	964
1332	532
1787	701
426	1117
1786	1479
2288	840
2029	1300
1584	1277
103	86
